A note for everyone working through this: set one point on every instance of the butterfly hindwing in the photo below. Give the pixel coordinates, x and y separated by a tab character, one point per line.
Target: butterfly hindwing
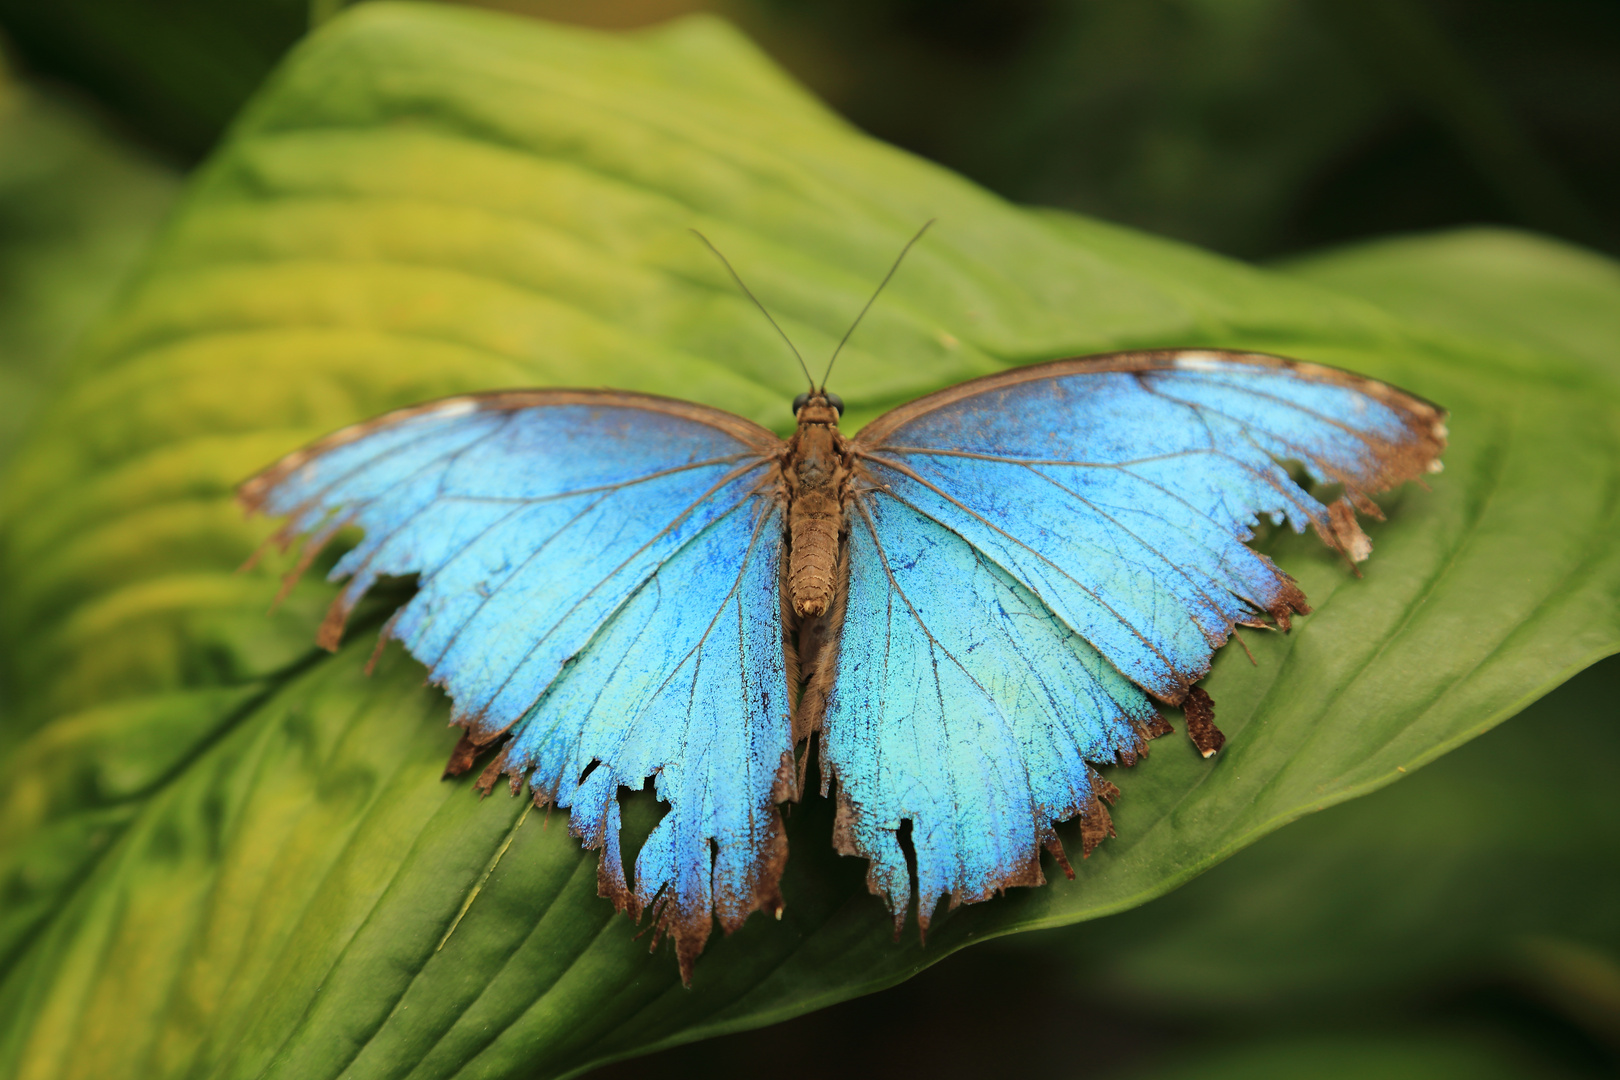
597	578
685	683
1034	553
963	706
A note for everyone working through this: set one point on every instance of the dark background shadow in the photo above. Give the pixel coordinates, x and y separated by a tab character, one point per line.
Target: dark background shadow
1257	128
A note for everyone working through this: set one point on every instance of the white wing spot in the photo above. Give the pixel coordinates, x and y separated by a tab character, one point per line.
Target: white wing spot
1200	361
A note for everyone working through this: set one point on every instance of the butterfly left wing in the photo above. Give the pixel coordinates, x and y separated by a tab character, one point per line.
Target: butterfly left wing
1034	556
598	579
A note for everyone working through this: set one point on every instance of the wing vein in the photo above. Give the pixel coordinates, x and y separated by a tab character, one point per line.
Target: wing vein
718	484
1124	622
934	642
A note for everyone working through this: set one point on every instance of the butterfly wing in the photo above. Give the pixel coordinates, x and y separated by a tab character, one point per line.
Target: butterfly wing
598	578
1035	555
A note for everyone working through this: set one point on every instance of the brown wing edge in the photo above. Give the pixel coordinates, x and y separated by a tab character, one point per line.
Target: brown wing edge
871	436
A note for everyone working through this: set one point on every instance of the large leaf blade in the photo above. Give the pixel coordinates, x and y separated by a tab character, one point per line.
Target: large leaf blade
429	201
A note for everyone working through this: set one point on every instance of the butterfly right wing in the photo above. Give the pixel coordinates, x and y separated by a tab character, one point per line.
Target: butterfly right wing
1033	554
597	576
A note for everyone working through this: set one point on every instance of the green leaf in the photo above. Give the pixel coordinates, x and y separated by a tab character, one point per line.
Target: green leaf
76	211
1485	864
1474	899
1487	287
425	201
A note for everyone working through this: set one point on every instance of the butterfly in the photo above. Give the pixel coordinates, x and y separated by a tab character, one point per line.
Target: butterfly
965	609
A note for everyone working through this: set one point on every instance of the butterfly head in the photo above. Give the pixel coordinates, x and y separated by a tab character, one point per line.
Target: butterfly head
819	407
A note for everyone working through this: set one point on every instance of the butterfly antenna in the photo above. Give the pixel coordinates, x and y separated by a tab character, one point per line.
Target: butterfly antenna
738	279
869	303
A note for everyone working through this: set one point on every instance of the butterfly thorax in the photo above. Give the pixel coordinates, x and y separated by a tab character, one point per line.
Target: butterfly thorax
815	472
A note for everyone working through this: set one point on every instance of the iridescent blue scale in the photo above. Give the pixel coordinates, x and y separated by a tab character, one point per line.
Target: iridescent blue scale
1031	560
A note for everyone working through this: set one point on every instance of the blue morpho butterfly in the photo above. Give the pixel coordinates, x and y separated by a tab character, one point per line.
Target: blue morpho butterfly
973	602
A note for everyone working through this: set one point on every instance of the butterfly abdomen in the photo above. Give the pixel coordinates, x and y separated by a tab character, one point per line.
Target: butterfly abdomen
816	469
814	526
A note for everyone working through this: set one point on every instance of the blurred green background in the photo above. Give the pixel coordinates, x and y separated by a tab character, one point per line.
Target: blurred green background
1254	127
1463	923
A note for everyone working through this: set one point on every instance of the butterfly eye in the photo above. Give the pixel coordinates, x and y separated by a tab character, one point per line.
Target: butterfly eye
836	402
799	403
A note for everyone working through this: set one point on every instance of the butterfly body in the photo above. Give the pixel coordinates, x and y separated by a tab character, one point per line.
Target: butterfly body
816	472
967	608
